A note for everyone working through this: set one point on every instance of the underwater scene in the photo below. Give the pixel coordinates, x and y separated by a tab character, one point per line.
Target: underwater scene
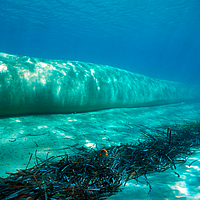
99	99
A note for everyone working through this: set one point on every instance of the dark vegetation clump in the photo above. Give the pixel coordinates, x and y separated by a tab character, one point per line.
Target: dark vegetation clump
97	174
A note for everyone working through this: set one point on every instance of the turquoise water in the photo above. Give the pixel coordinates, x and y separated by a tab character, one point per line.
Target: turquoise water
155	38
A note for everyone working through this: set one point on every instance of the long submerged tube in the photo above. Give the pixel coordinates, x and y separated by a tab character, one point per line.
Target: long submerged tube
39	86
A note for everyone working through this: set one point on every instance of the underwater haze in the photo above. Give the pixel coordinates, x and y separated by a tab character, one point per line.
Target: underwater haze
52	109
157	38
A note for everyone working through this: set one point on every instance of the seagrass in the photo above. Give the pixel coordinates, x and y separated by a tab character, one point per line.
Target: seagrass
99	173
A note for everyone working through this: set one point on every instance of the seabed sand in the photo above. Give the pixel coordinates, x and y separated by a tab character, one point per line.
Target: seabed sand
166	185
59	134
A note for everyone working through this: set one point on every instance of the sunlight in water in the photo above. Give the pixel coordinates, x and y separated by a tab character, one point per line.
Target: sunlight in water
181	187
90	144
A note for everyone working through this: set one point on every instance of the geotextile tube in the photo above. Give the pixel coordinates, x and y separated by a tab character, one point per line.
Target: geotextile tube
38	86
99	173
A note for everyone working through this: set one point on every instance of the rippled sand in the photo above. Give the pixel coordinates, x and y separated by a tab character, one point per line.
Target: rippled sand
58	134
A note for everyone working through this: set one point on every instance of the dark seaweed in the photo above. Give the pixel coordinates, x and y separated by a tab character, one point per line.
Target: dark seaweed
97	174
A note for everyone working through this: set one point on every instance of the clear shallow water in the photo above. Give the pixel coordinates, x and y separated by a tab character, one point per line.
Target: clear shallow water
58	134
155	38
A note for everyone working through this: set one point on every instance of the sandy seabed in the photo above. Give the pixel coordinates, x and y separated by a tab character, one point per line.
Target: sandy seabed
62	133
